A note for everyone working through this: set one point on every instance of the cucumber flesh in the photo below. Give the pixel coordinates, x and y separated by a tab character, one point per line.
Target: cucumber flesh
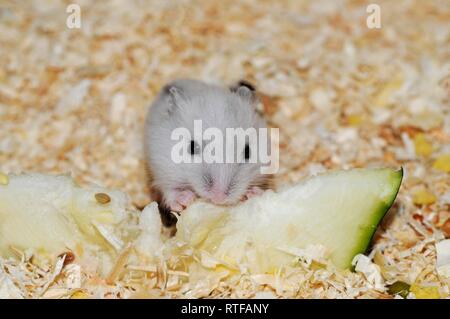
339	211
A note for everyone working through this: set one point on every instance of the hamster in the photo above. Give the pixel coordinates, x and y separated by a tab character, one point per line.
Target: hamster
178	105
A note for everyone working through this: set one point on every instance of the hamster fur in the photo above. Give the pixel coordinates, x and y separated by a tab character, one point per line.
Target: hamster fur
178	104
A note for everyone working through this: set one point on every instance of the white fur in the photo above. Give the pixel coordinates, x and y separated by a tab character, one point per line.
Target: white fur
178	105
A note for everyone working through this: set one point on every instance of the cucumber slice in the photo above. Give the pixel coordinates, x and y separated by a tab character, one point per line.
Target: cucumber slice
339	211
51	214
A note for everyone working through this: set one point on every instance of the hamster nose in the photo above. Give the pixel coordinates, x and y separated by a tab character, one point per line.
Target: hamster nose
217	195
218	198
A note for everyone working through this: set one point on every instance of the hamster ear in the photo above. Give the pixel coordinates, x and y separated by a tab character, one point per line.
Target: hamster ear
175	97
244	83
245	90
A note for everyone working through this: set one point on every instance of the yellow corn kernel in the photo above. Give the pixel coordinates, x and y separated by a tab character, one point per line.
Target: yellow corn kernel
422	146
423	197
442	163
422	292
354	120
4	179
79	295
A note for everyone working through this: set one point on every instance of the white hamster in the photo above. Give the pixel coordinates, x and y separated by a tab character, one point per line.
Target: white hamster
178	105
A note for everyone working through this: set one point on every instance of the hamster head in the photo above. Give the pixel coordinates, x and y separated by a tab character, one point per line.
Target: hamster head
231	114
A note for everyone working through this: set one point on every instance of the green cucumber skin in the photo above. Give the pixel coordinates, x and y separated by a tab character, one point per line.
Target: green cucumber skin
377	218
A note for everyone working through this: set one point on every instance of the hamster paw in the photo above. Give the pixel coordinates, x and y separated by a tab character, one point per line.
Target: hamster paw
175	207
182	199
253	191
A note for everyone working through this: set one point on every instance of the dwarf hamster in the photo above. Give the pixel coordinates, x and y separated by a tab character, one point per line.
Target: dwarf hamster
178	105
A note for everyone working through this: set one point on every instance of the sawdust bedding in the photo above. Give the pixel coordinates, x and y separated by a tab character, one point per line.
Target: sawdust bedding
74	100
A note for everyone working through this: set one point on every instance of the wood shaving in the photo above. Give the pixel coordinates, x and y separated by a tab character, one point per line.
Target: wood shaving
74	101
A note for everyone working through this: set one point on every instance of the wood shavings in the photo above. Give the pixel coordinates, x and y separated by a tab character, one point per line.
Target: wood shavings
370	270
342	95
119	265
8	290
56	271
443	258
73	276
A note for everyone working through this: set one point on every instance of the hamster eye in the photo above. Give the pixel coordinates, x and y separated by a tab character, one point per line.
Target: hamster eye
194	148
247	152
